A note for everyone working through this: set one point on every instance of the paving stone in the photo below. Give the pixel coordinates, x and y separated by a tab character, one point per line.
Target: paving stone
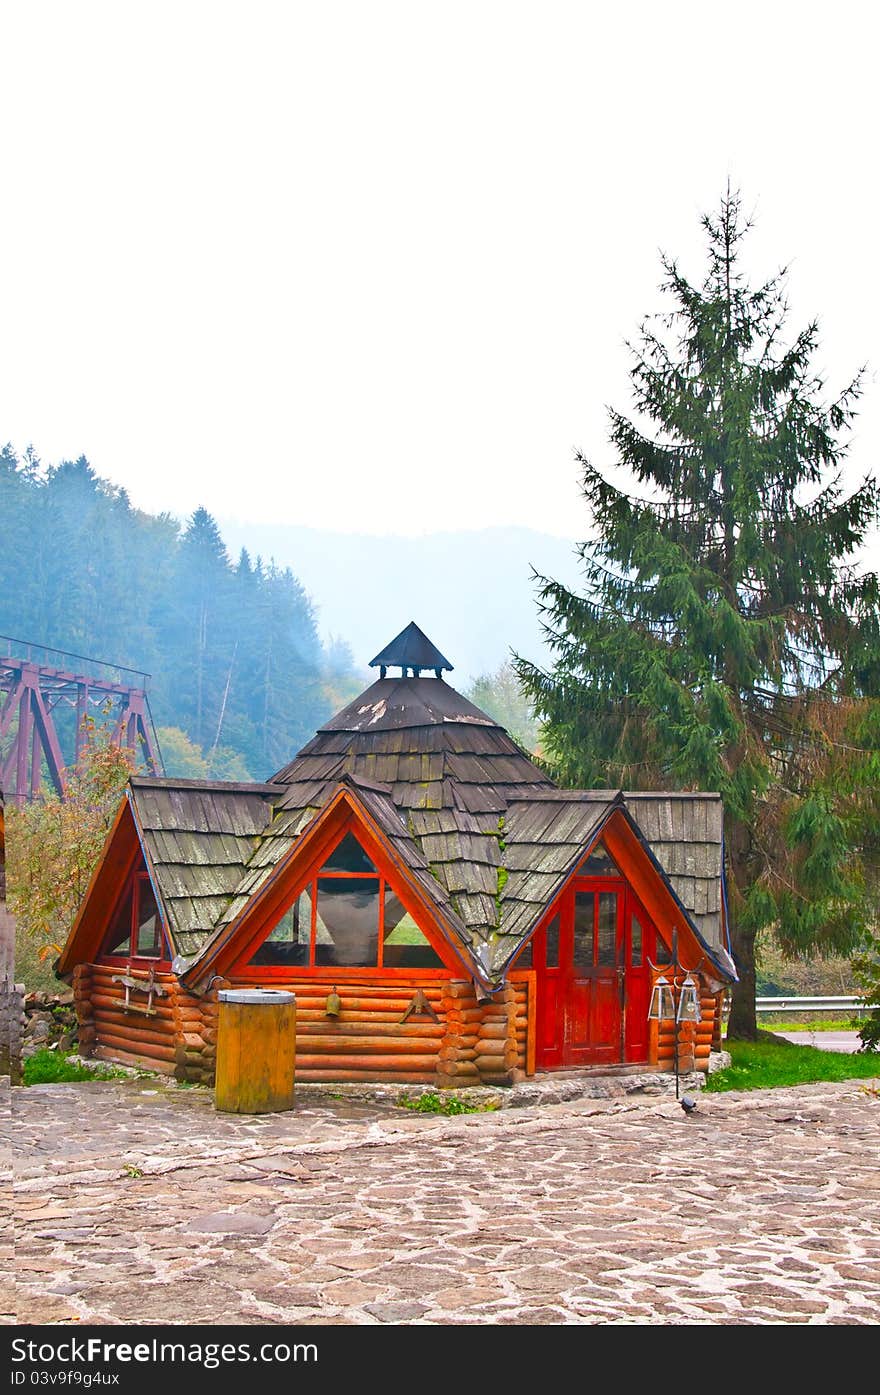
608	1210
232	1223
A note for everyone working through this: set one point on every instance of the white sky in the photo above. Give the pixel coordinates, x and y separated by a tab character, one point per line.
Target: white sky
370	265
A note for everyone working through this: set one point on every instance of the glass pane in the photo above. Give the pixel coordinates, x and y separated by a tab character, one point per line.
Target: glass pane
664	955
584	904
288	942
404	946
552	960
348	921
524	959
148	944
607	947
600	863
635	943
348	856
118	939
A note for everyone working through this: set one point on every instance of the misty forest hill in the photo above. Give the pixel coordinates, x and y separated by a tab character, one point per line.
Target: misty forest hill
471	591
240	677
255	636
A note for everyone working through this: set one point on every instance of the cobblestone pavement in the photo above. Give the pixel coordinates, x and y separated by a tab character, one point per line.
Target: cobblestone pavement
135	1202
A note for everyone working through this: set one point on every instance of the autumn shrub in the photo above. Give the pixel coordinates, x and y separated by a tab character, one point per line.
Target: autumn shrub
52	846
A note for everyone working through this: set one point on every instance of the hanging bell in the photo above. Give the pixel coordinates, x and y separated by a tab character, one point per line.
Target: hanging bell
333	1005
662	1007
689	1002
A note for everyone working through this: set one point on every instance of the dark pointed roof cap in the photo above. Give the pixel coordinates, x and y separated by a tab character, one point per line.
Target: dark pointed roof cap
411	649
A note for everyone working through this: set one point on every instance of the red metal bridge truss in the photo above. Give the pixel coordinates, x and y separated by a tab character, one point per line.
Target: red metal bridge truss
34	684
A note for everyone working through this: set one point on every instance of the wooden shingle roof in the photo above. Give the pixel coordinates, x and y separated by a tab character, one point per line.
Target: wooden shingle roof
198	837
449	769
482	829
497	835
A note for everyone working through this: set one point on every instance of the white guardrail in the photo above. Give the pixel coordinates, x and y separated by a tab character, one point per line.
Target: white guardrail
828	1004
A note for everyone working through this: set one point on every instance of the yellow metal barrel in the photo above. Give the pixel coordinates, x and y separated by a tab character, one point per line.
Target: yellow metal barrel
256	1051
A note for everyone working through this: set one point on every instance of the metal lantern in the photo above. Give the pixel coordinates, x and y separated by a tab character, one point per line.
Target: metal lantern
688	1002
662	1001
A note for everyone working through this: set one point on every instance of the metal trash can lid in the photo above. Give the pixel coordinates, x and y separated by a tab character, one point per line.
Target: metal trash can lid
255	995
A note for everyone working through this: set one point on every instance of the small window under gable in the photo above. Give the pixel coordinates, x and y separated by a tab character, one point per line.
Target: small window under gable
147	925
350	917
600	863
136	926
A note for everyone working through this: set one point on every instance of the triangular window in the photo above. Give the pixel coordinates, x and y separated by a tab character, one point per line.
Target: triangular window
347	921
600	863
348	916
289	941
118	939
404	945
147	926
348	856
136	928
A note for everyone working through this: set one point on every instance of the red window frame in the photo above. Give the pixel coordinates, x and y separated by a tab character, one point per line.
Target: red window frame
311	890
242	969
136	878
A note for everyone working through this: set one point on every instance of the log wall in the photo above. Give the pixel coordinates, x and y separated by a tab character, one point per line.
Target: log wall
470	1043
484	1043
369	1040
717	1037
111	1032
695	1040
524	1003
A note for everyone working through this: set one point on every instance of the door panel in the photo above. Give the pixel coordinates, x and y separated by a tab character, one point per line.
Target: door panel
583	933
545	958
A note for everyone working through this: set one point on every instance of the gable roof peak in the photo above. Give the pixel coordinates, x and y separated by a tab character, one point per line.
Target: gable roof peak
411	649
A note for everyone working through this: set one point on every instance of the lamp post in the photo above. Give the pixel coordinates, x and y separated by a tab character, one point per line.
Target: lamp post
675	1001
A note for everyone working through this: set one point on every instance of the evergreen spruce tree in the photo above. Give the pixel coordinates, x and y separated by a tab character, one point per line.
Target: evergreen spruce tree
727	637
201	625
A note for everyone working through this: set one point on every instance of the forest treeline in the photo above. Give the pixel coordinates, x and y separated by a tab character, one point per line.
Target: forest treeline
240	678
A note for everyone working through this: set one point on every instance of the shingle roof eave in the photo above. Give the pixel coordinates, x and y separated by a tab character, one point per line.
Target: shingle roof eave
197	837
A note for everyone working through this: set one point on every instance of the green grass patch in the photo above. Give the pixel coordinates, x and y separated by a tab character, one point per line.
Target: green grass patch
766	1065
433	1103
53	1068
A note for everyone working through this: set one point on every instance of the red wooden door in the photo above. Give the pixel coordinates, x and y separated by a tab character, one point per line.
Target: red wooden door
593	978
593	1035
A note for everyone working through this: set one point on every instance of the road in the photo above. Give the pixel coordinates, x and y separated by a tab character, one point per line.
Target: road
825	1041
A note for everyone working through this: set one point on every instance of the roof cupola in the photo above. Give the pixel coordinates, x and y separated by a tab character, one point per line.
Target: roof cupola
412	651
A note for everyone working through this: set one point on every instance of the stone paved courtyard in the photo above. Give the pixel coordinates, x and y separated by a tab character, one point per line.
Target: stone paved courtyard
136	1202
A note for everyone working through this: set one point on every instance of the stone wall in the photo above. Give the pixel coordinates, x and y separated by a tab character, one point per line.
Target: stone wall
11	993
11	1029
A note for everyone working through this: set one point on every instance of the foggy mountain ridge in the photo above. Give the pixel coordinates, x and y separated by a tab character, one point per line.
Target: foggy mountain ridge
472	591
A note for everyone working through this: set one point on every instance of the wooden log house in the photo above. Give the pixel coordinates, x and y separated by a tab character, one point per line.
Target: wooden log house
443	912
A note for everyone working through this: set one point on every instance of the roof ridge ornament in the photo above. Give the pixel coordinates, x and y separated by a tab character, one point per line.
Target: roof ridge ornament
412	651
